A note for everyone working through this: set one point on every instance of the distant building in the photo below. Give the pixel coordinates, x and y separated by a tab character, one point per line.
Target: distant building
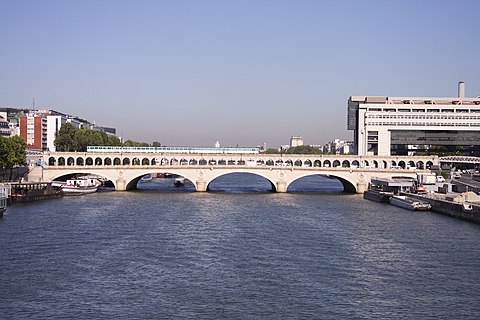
404	125
5	130
338	146
296	141
39	127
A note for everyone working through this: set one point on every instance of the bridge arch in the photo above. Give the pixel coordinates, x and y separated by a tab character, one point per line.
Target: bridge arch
86	171
131	182
420	165
348	185
256	173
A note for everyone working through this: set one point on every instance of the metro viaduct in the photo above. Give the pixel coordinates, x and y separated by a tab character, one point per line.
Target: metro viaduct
124	170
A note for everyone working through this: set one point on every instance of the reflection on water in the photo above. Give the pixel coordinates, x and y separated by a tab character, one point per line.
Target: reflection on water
247	182
161	253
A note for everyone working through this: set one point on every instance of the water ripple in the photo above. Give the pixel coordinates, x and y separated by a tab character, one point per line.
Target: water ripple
164	255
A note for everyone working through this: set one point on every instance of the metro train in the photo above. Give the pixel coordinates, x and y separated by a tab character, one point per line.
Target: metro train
173	150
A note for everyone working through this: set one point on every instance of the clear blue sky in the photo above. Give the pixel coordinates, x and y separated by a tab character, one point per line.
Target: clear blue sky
241	72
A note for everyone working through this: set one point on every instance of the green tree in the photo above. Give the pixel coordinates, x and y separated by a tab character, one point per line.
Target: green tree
70	139
304	150
156	144
271	151
131	143
12	153
113	141
65	138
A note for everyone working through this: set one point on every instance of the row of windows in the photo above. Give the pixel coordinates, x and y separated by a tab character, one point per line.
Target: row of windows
270	162
424	110
427	116
422	124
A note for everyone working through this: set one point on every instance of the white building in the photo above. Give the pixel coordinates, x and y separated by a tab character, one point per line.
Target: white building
296	141
338	146
385	125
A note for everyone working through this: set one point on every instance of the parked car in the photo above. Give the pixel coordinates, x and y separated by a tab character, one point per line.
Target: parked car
440	179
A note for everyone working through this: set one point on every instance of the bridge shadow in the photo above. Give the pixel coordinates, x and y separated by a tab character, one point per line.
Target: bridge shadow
240	183
249	182
317	184
164	184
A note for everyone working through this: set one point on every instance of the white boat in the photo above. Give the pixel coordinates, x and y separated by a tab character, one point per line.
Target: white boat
179	182
79	186
409	203
145	178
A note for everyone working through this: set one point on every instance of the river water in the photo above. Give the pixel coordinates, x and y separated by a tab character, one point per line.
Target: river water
238	252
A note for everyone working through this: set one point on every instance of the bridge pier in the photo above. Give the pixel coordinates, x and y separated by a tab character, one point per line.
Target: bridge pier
120	185
201	186
281	186
361	187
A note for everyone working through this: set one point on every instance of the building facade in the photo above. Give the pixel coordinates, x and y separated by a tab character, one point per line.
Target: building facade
39	127
296	141
33	130
406	125
5	130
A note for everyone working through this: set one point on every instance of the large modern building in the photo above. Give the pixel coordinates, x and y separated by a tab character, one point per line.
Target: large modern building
405	125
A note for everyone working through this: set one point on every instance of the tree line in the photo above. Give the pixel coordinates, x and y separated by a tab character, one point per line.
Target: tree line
71	139
296	150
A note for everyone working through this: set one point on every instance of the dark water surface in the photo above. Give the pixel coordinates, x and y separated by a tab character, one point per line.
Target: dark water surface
236	253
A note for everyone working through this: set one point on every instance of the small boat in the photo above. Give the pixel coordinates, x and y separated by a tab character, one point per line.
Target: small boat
79	186
146	178
409	203
179	182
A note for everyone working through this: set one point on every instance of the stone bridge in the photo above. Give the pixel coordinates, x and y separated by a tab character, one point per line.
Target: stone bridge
124	170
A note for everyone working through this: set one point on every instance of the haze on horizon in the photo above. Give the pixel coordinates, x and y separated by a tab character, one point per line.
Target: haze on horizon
241	72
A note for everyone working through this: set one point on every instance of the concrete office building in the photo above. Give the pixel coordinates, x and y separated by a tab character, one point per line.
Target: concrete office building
405	125
296	141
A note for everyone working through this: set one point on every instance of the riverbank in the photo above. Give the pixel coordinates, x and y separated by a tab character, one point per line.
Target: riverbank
457	205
